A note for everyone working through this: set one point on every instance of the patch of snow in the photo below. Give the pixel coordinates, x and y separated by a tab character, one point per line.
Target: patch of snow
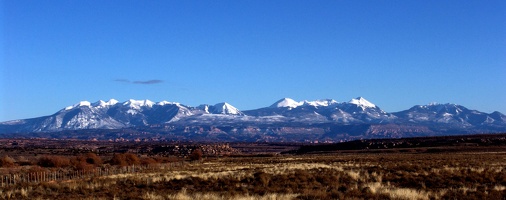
132	112
447	115
489	120
14	122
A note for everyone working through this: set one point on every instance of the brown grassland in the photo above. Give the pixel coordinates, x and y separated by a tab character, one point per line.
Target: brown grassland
345	175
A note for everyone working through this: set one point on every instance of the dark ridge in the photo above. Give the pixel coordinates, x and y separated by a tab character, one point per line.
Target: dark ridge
477	140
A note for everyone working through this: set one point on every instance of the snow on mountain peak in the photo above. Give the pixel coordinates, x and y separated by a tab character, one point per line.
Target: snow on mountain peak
441	105
138	103
225	108
286	102
323	102
162	103
101	103
360	101
112	102
81	103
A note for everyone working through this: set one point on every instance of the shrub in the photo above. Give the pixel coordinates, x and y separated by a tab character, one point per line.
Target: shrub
168	159
148	161
196	154
36	168
118	159
23	161
86	161
262	178
125	159
132	159
83	166
7	161
92	158
53	161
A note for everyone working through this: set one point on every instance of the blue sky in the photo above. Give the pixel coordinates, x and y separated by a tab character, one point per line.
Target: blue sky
396	54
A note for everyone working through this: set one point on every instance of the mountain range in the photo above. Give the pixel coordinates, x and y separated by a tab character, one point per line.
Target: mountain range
285	120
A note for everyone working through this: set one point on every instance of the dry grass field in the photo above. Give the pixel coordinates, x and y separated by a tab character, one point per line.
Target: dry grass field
455	175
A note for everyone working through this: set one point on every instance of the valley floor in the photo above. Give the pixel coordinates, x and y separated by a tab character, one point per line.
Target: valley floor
344	175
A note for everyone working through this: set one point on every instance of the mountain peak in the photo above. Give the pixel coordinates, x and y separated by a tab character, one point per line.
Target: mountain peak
362	102
225	108
138	103
223	104
285	102
101	103
80	104
433	104
83	103
112	101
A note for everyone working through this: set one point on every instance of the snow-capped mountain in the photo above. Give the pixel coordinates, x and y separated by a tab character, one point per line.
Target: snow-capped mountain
357	110
450	114
103	115
327	116
83	115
